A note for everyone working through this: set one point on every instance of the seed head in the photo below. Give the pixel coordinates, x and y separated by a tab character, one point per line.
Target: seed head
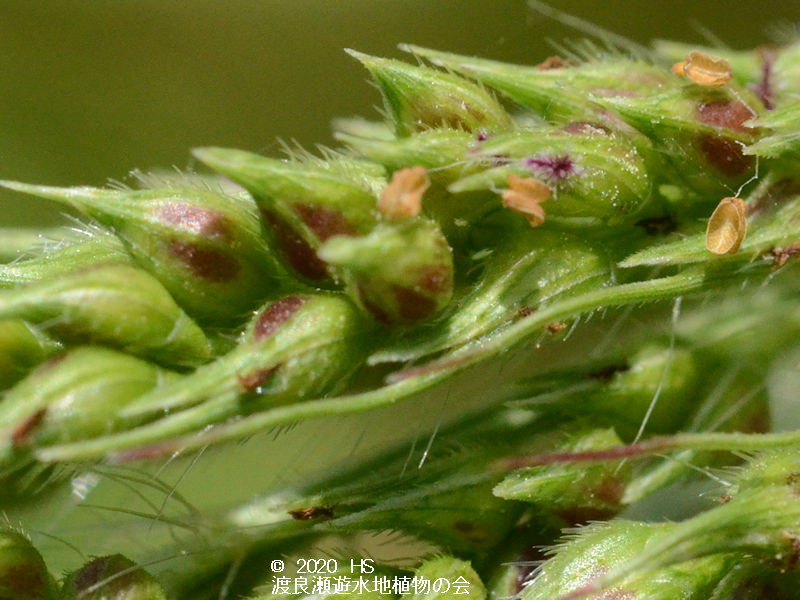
781	141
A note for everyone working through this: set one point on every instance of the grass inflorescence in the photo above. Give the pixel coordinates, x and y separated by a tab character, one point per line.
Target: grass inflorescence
490	222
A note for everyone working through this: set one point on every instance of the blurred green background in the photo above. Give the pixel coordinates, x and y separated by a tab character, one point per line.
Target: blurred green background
90	89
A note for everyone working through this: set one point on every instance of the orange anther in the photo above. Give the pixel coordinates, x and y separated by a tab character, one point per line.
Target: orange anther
525	197
704	69
402	198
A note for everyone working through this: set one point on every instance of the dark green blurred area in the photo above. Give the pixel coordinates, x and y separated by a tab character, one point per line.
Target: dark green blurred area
91	89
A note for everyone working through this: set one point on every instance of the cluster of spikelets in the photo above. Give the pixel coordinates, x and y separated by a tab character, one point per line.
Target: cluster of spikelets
496	205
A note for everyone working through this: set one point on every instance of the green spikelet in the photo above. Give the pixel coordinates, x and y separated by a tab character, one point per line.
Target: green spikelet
304	205
22	348
74	396
420	98
23	574
445	577
92	246
205	247
549	89
596	177
111	577
114	304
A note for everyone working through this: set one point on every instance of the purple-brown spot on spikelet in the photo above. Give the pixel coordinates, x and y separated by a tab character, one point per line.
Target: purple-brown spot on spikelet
23	431
793	481
256	379
431	116
324	222
730	114
202	221
781	255
146	452
724	154
436	279
298	253
380	315
275	315
412	305
208	263
610	490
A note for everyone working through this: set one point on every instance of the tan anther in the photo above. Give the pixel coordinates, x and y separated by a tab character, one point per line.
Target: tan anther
727	226
703	69
402	198
525	197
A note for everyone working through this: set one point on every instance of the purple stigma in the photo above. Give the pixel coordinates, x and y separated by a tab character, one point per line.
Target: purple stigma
552	168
